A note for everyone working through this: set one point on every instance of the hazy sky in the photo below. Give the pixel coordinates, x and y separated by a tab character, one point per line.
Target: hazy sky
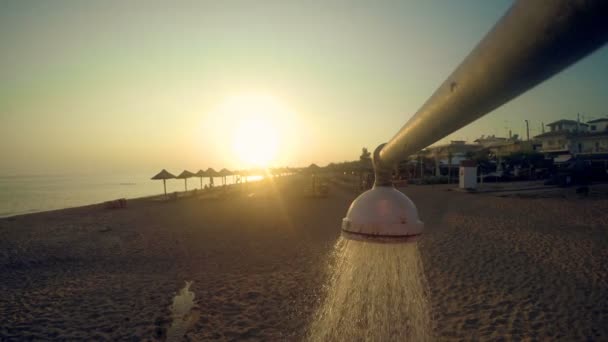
122	86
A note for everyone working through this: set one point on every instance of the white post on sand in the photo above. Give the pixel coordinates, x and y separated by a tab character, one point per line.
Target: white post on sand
468	175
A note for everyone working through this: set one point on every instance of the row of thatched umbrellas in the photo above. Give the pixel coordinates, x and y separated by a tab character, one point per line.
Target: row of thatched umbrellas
210	172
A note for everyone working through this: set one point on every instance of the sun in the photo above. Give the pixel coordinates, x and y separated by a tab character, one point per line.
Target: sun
256	141
253	130
258	127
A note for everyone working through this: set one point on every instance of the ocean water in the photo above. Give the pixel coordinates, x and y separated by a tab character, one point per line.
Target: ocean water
28	194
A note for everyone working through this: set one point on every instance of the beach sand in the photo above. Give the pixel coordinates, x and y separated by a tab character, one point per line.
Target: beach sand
512	268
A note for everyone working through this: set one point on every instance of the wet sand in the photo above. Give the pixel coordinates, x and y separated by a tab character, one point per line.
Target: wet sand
514	268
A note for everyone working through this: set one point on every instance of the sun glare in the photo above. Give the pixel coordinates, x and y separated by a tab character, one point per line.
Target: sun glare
256	141
260	128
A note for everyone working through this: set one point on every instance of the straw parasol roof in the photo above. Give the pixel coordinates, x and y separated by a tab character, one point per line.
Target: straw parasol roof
164	175
201	174
223	173
212	173
185	175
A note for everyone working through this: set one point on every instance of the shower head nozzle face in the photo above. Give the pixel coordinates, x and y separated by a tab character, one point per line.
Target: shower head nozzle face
382	214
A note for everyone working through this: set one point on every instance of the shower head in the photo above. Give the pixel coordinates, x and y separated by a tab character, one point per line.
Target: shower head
382	214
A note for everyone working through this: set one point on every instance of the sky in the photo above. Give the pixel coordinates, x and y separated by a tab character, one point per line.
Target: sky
136	86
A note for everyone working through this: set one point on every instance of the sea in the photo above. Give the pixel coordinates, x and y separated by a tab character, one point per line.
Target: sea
36	193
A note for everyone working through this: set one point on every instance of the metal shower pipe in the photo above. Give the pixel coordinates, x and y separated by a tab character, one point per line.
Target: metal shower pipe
533	41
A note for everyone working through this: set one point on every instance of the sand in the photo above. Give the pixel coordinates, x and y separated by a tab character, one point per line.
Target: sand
510	268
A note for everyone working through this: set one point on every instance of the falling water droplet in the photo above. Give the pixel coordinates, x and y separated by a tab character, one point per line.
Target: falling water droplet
376	292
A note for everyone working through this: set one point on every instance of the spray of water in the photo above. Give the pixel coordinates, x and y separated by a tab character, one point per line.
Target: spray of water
377	292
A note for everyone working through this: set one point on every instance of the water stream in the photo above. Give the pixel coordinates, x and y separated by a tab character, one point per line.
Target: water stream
376	292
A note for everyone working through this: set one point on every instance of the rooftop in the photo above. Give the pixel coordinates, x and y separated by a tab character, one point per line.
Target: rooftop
569	122
552	134
572	134
598	120
489	138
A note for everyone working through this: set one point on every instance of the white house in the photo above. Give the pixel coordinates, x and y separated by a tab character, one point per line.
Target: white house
575	138
598	125
554	142
567	126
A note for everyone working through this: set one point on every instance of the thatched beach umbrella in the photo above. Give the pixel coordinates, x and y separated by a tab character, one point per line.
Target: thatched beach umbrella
185	175
224	172
201	174
211	173
313	168
164	175
243	175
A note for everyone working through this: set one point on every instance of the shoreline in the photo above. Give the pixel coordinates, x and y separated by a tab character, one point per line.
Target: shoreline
129	199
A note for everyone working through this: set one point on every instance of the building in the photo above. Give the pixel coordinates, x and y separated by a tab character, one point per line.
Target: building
569	137
501	147
568	126
510	147
589	143
450	155
490	141
599	125
554	142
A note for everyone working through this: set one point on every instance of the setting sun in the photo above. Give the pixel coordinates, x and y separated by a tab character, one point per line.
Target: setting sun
259	128
256	141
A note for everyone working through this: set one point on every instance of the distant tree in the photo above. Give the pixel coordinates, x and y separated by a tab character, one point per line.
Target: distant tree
481	156
331	166
365	159
365	154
